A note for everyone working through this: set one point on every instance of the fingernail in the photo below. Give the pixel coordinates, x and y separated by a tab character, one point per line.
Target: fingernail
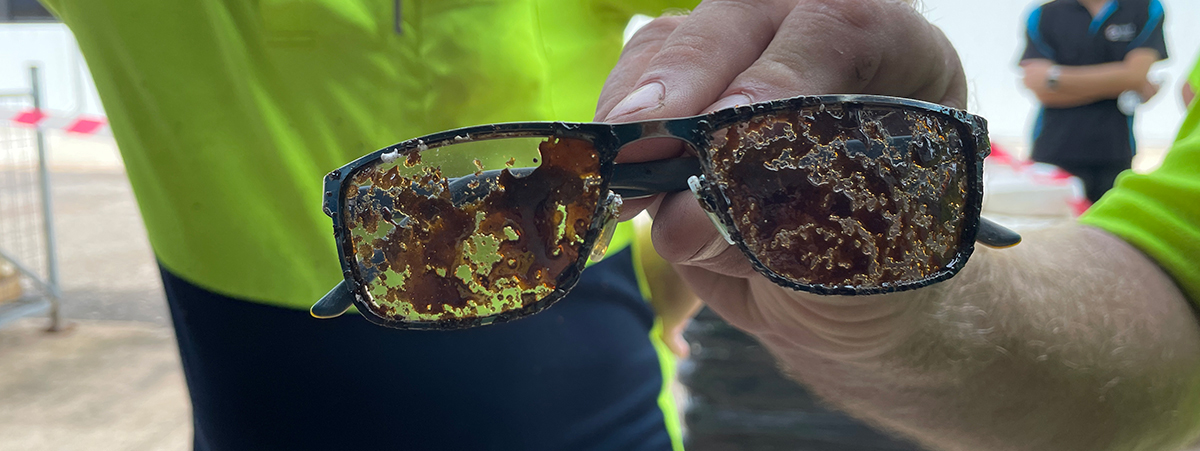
731	101
645	97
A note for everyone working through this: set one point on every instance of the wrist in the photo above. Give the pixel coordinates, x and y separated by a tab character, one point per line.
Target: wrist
1052	76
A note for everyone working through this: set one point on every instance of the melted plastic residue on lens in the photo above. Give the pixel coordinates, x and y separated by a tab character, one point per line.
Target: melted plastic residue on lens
437	258
859	197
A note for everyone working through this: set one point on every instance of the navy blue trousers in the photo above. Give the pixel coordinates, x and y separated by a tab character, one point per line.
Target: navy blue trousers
581	375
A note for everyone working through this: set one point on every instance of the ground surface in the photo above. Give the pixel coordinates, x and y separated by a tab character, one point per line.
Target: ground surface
111	380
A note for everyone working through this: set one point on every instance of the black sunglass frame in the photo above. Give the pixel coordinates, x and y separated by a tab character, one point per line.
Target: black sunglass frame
607	140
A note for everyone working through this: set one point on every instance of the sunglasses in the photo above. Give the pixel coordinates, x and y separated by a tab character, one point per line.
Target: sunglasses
833	195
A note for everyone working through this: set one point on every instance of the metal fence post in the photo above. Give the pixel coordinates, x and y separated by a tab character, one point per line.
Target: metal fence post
47	207
21	179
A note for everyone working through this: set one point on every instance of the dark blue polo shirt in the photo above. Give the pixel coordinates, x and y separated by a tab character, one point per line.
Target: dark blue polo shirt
1065	32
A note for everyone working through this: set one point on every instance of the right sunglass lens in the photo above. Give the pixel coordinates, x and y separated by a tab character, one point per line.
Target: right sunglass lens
471	229
846	197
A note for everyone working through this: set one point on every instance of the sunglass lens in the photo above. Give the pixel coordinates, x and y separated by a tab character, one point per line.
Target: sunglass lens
456	233
846	198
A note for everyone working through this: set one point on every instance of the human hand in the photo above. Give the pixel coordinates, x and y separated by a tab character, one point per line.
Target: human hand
1037	72
1148	91
673	302
1012	352
728	53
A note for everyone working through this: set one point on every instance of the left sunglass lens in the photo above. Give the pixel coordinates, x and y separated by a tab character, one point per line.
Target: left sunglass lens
469	229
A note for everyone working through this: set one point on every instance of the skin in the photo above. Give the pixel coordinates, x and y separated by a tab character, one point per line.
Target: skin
671	298
1082	85
1073	340
1187	93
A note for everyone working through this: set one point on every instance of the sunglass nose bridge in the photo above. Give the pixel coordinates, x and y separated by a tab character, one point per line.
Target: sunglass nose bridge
612	215
698	185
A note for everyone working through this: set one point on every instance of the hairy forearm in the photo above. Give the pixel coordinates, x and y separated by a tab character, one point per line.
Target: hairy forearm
1055	344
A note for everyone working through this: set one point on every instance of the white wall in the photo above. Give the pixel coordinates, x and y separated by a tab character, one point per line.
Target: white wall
988	34
67	85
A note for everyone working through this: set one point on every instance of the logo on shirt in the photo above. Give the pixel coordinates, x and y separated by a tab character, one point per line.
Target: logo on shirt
1120	33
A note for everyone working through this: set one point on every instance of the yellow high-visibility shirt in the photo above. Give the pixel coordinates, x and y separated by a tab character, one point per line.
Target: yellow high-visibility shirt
229	112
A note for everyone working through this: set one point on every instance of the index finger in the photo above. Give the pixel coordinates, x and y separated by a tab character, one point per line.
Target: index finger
698	60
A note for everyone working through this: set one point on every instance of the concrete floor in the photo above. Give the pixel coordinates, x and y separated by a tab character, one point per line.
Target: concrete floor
100	385
111	380
108	270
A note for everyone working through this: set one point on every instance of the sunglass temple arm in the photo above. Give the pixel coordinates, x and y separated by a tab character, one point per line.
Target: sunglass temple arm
334	303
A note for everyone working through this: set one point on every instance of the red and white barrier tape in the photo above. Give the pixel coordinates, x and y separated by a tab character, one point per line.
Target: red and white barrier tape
1040	174
85	125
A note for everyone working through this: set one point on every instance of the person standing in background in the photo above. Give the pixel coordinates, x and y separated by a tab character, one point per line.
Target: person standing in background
1080	57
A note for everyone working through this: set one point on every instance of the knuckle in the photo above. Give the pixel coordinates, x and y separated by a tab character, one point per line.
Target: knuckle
760	13
849	15
745	5
661	27
653	34
699	39
852	38
687	49
774	75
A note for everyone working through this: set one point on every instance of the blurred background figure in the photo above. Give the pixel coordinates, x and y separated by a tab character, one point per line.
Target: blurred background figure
1087	61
